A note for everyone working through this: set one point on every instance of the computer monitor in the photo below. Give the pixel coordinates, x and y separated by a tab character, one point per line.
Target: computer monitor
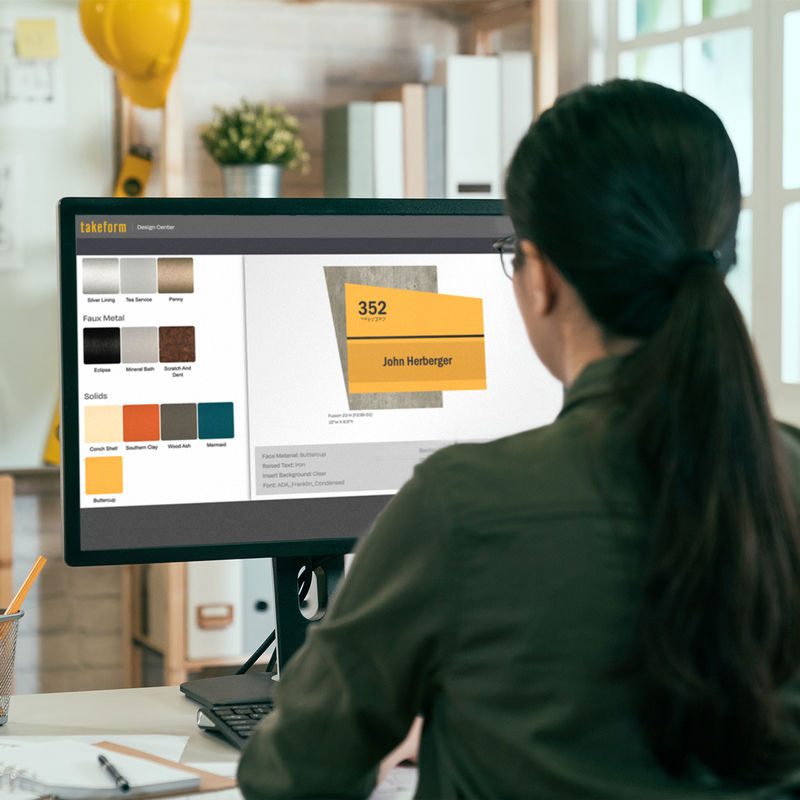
257	378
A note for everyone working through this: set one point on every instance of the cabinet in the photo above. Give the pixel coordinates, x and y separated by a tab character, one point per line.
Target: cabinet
307	54
172	618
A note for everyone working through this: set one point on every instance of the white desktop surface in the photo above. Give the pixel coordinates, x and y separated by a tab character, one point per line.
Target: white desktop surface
156	710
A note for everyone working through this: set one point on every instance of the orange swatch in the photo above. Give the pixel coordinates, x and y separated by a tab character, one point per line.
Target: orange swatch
140	423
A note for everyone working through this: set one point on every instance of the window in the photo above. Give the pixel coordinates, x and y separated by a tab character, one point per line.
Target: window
742	58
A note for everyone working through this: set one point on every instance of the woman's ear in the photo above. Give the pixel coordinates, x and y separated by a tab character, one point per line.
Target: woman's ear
541	279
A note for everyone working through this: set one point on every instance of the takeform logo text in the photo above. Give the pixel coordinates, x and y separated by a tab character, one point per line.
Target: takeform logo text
103	226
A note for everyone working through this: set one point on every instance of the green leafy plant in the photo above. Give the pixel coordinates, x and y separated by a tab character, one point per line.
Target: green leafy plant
255	133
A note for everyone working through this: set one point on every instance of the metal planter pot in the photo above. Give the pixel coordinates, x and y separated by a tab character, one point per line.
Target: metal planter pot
252	180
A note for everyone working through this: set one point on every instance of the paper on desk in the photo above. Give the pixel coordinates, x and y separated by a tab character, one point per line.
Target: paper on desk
69	769
225	794
16	793
162	745
399	784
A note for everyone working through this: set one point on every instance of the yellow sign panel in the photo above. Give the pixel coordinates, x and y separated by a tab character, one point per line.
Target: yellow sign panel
399	340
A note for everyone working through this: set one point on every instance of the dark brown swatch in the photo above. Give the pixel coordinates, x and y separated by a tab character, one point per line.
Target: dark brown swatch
176	343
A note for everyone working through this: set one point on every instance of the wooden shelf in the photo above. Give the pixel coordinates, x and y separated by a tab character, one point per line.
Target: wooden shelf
484	17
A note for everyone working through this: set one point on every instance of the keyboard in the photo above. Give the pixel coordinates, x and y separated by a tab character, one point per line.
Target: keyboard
234	722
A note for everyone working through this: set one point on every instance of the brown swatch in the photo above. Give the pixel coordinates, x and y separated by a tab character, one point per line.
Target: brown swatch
175	275
176	343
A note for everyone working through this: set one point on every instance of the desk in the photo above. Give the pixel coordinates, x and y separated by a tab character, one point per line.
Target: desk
161	709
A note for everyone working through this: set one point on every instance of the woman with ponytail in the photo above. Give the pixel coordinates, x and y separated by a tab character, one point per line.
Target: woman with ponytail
640	220
608	606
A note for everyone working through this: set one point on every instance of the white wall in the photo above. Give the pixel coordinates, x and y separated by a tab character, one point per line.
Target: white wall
51	148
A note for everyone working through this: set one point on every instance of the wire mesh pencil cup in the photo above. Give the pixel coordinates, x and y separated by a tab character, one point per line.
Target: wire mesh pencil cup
9	623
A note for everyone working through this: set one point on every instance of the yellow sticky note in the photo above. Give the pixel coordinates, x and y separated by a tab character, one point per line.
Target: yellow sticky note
36	38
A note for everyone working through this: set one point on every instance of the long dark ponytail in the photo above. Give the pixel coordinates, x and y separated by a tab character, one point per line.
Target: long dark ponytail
632	191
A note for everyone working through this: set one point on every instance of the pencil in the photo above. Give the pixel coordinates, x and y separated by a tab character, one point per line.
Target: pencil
15	604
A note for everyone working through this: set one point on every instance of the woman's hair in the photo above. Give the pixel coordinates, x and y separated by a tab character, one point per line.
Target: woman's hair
631	190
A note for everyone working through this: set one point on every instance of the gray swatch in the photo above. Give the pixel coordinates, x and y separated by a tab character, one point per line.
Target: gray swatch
101	276
138	276
178	421
139	345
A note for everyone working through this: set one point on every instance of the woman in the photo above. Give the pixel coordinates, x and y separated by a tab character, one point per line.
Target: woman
607	606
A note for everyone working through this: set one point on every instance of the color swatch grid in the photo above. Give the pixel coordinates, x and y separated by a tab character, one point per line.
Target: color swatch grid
150	422
134	345
138	275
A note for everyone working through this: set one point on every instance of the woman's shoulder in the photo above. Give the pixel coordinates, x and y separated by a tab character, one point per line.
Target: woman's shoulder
551	464
487	455
791	432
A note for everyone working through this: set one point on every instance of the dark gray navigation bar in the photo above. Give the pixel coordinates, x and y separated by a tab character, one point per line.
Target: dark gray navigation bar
221	226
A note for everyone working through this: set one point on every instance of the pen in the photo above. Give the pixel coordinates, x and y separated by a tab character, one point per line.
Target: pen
112	771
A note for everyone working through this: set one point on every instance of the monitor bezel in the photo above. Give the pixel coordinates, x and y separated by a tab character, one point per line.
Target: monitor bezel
71	207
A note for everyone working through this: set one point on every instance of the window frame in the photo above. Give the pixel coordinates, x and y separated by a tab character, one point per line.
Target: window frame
768	198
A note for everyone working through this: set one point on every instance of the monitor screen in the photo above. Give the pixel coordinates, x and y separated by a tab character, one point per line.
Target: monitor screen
248	378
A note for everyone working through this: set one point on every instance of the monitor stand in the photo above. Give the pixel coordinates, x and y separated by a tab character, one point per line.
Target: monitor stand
291	626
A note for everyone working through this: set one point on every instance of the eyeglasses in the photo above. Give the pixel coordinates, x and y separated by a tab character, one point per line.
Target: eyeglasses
507	248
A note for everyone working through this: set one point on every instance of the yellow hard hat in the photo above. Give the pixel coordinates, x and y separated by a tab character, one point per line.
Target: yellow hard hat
140	40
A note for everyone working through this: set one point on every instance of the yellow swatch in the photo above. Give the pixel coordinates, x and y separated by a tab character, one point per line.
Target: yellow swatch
104	475
399	340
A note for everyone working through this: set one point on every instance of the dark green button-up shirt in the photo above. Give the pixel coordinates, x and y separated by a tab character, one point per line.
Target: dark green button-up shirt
497	593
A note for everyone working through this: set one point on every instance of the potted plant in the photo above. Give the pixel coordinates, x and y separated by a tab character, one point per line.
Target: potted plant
253	143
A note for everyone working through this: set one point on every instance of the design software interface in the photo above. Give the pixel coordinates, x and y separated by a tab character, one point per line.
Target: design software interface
269	359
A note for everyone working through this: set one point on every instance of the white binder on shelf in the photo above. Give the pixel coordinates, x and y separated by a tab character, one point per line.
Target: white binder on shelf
214	609
472	86
516	103
389	164
412	96
348	150
435	128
